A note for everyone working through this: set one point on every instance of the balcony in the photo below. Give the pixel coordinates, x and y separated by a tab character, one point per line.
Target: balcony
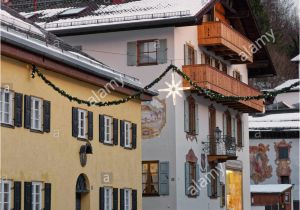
220	149
211	78
225	41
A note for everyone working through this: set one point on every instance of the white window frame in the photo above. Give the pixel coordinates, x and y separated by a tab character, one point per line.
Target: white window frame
10	106
33	113
127	134
2	193
84	120
127	200
108	201
108	130
34	193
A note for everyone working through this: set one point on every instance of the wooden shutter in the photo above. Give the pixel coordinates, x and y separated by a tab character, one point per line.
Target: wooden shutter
17	195
196	119
162	52
115	131
122	204
18	101
186	116
134	199
47	199
197	177
101	128
74	122
131	53
115	198
122	134
187	178
134	133
27	195
164	178
90	125
186	55
46	116
27	112
208	186
101	198
228	124
239	132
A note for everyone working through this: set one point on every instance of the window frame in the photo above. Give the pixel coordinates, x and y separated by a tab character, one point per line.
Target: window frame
33	114
34	193
127	138
110	199
10	106
85	115
148	175
2	194
190	57
127	204
192	115
108	136
141	42
279	153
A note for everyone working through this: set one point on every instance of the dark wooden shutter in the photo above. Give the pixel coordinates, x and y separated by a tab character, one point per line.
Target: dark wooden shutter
134	199
134	132
101	198
17	195
18	109
115	131
90	125
46	115
101	128
122	204
27	195
122	134
74	122
27	112
115	198
47	196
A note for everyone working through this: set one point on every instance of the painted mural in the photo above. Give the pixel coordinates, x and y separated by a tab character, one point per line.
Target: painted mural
283	160
153	118
259	168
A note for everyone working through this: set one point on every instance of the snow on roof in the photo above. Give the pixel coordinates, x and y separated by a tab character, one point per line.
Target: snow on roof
269	188
289	83
296	59
285	121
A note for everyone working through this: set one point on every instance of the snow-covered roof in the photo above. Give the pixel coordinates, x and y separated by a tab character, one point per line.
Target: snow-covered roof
296	59
288	83
269	188
98	14
282	121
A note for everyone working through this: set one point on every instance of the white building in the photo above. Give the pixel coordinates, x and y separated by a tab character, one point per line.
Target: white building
209	41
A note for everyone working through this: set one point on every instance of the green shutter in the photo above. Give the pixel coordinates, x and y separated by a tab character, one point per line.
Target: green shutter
18	100
115	198
132	53
134	199
47	199
46	116
122	134
90	126
162	52
27	112
17	195
187	178
74	122
122	199
101	128
134	135
115	131
27	195
164	178
101	198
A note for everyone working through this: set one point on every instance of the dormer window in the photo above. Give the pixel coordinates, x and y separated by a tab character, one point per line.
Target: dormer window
72	11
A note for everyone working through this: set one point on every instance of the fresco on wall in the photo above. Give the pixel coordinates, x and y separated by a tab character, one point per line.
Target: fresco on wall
153	118
283	163
259	168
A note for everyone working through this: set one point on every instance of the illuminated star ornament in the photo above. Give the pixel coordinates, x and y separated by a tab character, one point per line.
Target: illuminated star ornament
174	89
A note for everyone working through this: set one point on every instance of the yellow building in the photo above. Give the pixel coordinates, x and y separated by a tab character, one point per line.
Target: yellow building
55	153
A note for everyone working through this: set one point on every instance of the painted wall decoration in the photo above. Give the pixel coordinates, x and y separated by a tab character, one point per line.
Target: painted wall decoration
259	168
153	118
283	161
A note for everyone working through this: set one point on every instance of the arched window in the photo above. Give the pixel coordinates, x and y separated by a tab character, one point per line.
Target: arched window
81	184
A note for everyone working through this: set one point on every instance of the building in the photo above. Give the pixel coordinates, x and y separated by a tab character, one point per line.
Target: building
56	153
274	142
186	164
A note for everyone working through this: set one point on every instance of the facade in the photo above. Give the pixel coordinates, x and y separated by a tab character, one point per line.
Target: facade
186	163
274	142
58	154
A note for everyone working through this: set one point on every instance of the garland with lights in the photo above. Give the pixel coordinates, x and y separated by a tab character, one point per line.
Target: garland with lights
209	93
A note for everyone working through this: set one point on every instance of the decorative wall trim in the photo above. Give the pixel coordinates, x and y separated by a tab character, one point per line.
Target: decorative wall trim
283	165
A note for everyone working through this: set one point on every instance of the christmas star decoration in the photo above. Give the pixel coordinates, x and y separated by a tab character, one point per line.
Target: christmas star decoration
174	89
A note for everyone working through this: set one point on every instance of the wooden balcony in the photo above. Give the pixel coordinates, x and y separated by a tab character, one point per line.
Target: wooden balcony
211	78
225	41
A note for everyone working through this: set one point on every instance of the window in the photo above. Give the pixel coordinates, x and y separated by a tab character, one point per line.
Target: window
150	178
108	198
237	75
147	52
72	11
189	55
283	153
239	131
127	199
6	104
5	195
36	113
224	68
285	180
191	123
82	123
108	130
127	130
227	124
36	196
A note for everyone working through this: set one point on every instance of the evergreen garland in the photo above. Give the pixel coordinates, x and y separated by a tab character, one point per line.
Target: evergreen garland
209	93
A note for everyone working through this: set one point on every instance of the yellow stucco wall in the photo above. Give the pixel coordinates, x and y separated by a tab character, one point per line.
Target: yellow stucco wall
54	157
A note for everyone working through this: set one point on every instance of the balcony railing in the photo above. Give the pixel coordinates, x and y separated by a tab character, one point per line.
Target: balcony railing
211	78
225	41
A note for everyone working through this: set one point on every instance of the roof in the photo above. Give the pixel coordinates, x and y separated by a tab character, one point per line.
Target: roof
289	83
270	188
278	122
20	32
296	59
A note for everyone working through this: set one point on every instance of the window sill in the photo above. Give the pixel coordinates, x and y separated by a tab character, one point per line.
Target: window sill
147	64
108	143
82	138
7	125
36	131
127	147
